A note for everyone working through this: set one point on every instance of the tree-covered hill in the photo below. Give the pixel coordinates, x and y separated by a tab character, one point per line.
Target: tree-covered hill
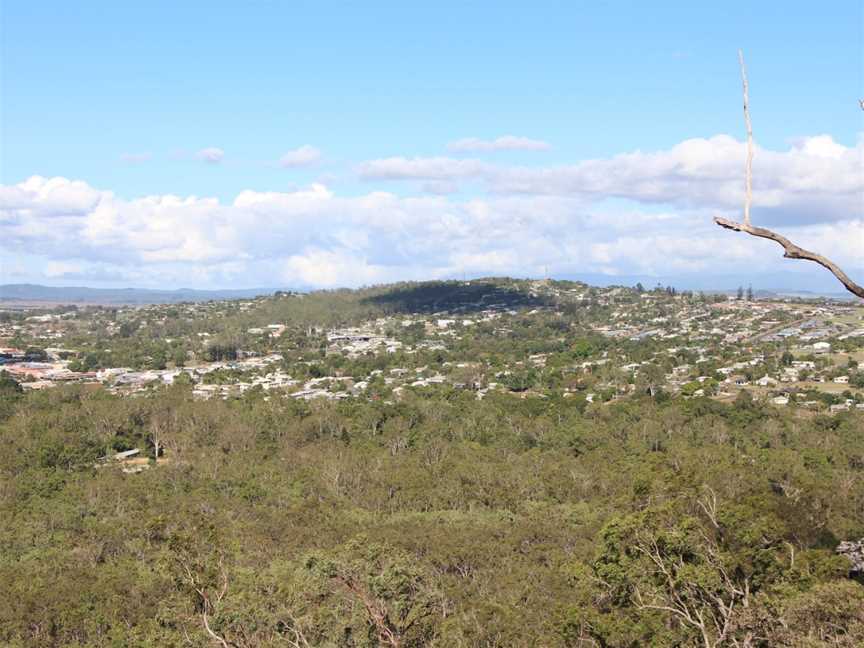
491	463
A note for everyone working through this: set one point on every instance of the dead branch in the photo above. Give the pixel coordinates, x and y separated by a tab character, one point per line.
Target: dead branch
791	251
210	632
709	506
375	610
299	640
748	179
206	604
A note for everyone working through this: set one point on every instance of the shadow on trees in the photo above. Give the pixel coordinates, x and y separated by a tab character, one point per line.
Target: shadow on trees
454	297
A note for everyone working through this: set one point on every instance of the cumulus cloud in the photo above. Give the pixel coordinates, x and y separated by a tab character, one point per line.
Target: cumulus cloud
62	268
211	155
503	143
330	269
816	179
303	156
637	213
435	168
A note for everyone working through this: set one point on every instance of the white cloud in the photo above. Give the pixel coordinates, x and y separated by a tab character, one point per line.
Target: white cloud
436	168
331	269
61	268
50	197
503	143
817	179
821	146
637	213
303	156
211	155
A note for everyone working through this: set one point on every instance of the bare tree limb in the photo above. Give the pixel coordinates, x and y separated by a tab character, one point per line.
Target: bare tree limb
790	250
748	179
709	506
209	630
299	640
375	610
206	603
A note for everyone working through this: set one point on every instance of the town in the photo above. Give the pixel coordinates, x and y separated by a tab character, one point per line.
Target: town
530	339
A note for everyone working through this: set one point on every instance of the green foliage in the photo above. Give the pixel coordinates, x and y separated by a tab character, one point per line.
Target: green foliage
35	354
219	352
10	394
445	515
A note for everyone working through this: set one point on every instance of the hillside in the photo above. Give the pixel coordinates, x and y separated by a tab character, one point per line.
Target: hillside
488	463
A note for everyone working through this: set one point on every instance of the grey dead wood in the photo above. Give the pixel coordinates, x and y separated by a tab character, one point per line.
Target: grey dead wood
790	250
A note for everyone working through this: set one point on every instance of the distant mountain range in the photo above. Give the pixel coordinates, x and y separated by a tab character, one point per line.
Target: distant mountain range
763	286
119	296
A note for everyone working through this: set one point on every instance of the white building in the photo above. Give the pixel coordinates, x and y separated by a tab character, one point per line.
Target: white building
821	347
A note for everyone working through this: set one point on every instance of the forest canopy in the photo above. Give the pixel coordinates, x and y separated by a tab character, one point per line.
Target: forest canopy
438	520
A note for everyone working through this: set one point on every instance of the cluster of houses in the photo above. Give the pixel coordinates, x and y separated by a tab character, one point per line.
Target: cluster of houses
729	345
355	342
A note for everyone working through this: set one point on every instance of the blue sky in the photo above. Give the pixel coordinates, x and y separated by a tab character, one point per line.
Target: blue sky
128	98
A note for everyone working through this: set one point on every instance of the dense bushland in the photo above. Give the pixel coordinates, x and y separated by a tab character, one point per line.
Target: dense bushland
435	520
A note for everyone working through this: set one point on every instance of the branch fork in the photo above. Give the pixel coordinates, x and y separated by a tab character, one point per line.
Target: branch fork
790	250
